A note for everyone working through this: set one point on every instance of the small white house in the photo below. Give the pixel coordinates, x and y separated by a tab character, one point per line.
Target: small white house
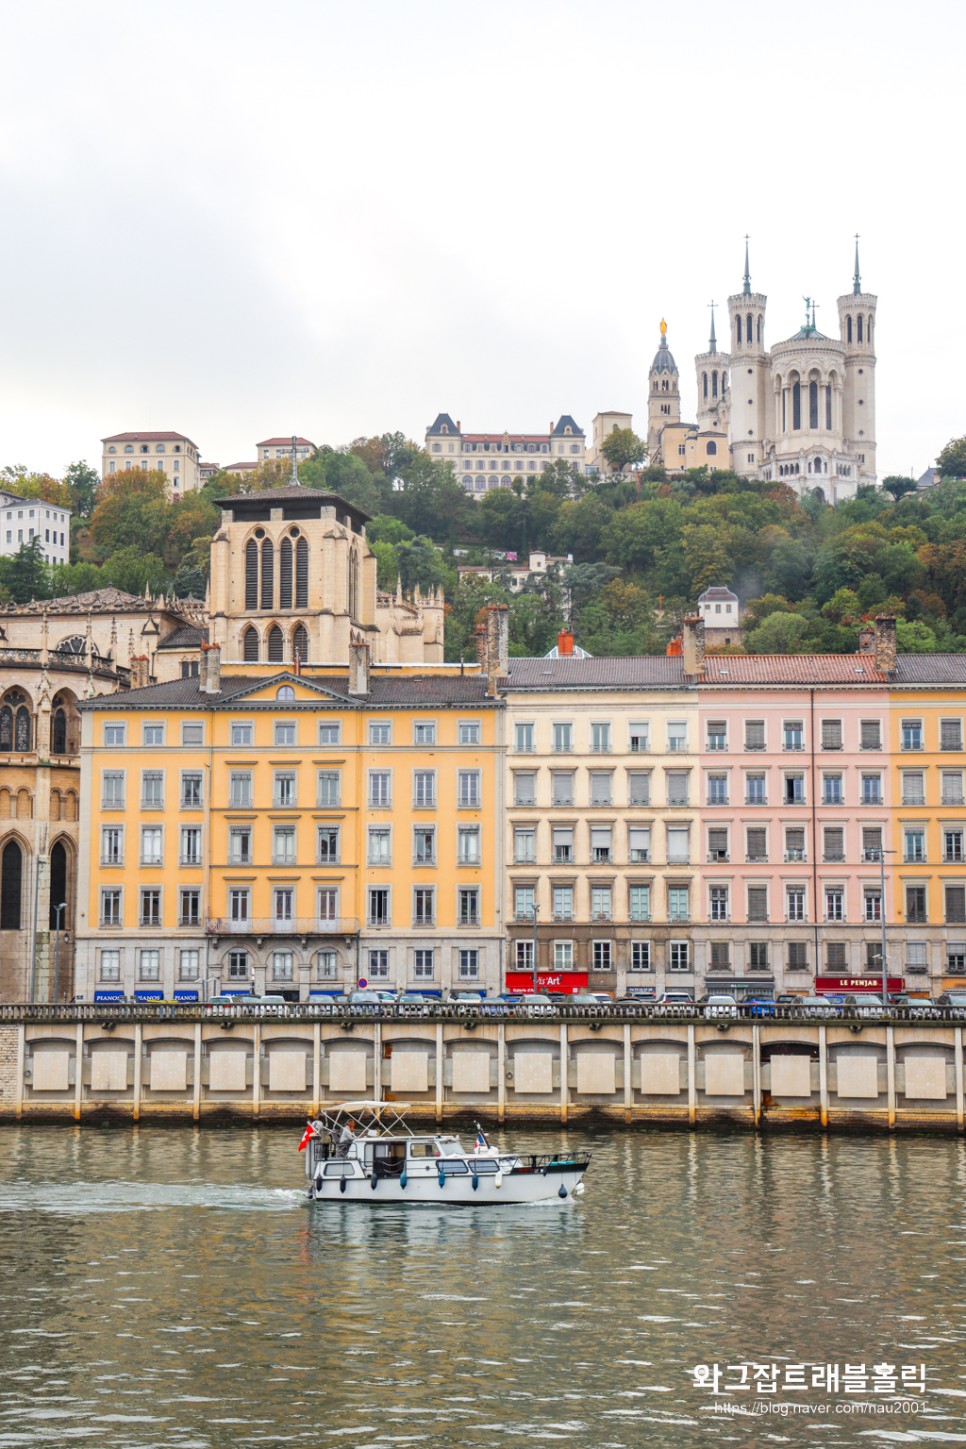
721	612
24	519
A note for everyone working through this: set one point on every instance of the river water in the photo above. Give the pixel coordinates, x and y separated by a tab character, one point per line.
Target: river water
163	1288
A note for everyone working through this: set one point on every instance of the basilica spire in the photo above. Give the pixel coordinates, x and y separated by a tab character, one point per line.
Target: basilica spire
857	279
712	340
746	289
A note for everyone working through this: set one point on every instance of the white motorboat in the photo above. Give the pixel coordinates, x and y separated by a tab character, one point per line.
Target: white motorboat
365	1152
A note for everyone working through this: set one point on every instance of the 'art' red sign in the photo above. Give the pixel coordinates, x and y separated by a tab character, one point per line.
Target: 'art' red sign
567	981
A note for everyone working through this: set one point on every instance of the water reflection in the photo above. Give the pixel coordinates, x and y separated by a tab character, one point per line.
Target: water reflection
166	1287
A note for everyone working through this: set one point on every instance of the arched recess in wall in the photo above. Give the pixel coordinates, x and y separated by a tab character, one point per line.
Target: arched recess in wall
250	645
251	574
64	724
61	874
302	574
16	724
268	574
11	886
276	645
300	643
285	574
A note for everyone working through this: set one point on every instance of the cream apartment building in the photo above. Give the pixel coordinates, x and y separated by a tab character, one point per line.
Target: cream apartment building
172	454
484	461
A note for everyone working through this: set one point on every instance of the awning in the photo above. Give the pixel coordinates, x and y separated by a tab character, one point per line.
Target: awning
149	996
117	995
186	995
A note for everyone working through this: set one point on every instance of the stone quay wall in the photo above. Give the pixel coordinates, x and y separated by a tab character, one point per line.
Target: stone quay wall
88	1063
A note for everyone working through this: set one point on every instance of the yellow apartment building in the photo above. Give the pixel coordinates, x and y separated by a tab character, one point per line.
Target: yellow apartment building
291	833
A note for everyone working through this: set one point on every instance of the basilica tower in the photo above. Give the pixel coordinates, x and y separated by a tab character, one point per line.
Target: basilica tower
714	398
857	332
749	377
664	395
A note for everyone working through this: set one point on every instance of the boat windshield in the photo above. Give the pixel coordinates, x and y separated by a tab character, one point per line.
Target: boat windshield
450	1147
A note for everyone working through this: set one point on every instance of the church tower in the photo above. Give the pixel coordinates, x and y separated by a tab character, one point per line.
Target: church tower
749	377
857	332
664	395
714	398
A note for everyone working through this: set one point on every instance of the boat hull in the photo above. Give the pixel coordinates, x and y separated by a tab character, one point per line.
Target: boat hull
551	1184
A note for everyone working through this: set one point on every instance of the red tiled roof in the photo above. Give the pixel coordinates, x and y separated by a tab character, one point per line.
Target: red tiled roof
791	669
506	437
148	438
284	442
236	467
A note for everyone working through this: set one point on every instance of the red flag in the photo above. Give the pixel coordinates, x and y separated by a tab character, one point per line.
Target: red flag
307	1136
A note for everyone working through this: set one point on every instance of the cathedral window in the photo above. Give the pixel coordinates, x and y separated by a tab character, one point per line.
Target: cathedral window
848	329
285	575
276	645
300	643
11	886
301	574
796	406
704	381
859	327
813	404
714	384
712	449
268	574
759	329
738	329
250	645
251	574
828	407
748	321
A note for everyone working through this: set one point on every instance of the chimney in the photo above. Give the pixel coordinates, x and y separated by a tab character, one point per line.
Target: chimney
885	644
693	646
866	640
565	642
358	665
139	671
497	644
209	669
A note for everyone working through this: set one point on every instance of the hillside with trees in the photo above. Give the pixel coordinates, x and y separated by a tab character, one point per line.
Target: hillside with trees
636	548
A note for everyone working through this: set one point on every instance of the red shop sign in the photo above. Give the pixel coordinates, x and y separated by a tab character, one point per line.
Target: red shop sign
568	981
858	984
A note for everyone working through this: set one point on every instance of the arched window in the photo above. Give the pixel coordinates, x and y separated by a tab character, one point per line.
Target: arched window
73	644
58	731
714	384
869	332
11	886
276	645
759	328
6	728
813	404
828	406
268	574
712	449
796	405
859	327
58	885
285	575
353	600
22	729
738	330
302	574
748	322
285	693
848	329
724	383
704	382
251	574
300	643
250	645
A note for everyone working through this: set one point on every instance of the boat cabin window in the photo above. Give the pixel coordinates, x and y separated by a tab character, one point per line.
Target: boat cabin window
422	1149
385	1153
449	1147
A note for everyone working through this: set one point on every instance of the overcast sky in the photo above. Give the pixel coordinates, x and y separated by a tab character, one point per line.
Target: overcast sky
237	219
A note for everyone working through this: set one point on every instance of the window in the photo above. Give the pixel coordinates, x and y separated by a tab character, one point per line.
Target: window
379	850
563	903
152	735
192	734
872	904
189	964
563	955
149	965
639	742
955	896
424	964
793	737
329	787
377	913
238	965
913	787
718	904
797	956
240	789
870	734
115	734
717	789
677	787
794	844
468	906
871	842
524	788
150	909
239	903
794	789
831	734
833	843
328	903
424	906
191	790
523	739
832	790
524	898
953	846
871	789
424	789
110	965
110	907
285	732
678	900
152	789
756	844
240	845
795	903
330	732
601	956
380	789
601	844
468	845
916	914
189	907
638	844
284	789
640	956
468	732
601	903
678	844
758	903
562	787
469	965
380	732
424	732
283	844
468	795
600	738
952	787
912	734
282	965
834	903
190	852
379	965
600	787
524	845
639	903
424	845
950	734
677	737
718	844
112	845
679	958
717	735
754	734
914	845
639	787
242	732
916	957
758	956
956	958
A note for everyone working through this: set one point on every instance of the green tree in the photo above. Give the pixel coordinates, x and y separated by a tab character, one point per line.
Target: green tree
131	508
133	570
778	634
899	486
26	575
952	460
83	481
624	449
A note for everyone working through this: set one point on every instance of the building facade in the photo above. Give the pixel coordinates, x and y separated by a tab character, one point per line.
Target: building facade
721	611
484	461
172	454
24	519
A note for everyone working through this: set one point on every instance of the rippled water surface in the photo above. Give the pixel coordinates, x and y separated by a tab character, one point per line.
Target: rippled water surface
164	1287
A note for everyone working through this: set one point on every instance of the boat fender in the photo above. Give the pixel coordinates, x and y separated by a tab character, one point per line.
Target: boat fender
561	1191
441	1178
498	1181
342	1182
373	1181
403	1178
476	1181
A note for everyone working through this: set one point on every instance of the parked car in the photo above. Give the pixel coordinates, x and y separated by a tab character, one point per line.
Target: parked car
465	998
954	999
758	1005
372	1000
914	1005
606	998
413	1001
868	1004
817	1006
533	1003
641	993
585	998
788	998
719	1003
676	998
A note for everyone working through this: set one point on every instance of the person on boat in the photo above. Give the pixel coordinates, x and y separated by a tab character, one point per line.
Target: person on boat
346	1136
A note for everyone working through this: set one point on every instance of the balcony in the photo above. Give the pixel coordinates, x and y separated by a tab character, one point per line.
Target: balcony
601	855
798	855
717	800
562	916
639	746
717	743
295	926
639	857
756	858
718	857
833	857
916	918
677	747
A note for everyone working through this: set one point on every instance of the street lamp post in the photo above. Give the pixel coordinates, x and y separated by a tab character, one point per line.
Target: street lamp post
534	912
58	919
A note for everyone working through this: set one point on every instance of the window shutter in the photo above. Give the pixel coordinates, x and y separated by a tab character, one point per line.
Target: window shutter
835	957
755	734
302	574
950	734
757	844
717	842
285	575
831	734
758	903
956	904
871	734
251	574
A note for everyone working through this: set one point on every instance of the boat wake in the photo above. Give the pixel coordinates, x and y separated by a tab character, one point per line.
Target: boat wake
66	1198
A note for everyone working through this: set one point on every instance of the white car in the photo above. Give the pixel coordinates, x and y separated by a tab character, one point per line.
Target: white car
721	1004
